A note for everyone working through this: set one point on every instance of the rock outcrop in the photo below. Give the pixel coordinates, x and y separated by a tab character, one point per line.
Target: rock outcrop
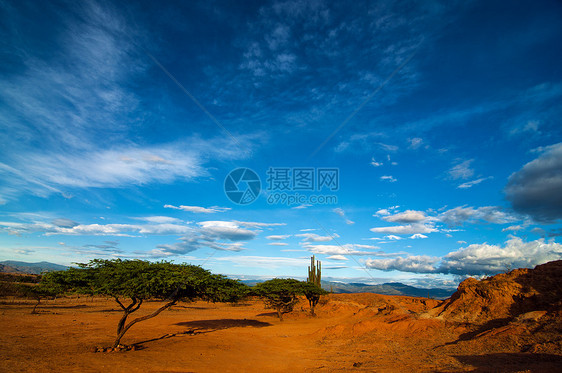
505	296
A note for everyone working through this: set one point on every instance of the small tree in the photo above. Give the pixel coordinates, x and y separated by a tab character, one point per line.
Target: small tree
279	294
39	292
139	280
312	292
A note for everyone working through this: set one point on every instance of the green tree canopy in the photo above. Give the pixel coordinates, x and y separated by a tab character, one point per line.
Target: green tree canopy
312	292
282	294
139	280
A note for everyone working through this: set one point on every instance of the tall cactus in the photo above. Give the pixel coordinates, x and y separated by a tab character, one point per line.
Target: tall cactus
314	272
314	277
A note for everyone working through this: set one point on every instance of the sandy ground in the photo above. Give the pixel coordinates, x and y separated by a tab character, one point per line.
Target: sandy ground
352	332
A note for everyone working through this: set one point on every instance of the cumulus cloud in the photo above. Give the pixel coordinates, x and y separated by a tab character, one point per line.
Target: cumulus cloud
226	230
535	189
476	259
416	263
417	236
382	212
484	259
278	244
198	209
408	216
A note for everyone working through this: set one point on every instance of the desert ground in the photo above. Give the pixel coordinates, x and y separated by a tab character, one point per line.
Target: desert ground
351	332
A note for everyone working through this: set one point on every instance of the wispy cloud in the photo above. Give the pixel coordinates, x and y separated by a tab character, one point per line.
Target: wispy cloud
198	209
388	178
470	184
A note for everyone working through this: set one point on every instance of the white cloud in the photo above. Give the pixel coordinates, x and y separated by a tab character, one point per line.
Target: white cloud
470	184
485	259
388	178
226	230
347	249
337	257
278	244
417	263
300	207
198	209
408	216
491	214
418	235
313	237
405	229
477	259
382	212
253	224
392	237
462	170
415	142
531	126
387	147
375	163
159	219
278	237
341	213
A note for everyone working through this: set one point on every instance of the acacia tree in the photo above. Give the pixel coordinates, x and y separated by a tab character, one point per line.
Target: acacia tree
138	280
279	294
38	292
312	292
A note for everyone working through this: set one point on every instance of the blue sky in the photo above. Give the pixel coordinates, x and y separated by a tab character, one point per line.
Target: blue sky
119	124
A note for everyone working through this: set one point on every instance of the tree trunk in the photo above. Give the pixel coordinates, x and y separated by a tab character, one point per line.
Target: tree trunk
139	319
280	314
35	307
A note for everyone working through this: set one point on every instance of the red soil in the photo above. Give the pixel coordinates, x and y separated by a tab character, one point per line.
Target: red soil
509	323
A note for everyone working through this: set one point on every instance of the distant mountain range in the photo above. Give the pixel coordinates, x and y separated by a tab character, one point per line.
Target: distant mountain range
12	266
390	288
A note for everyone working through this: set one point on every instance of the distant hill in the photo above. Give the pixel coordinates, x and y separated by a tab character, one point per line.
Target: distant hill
12	266
391	288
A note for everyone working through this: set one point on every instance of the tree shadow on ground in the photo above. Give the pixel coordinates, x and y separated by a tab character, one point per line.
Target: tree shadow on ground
512	362
219	324
205	326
